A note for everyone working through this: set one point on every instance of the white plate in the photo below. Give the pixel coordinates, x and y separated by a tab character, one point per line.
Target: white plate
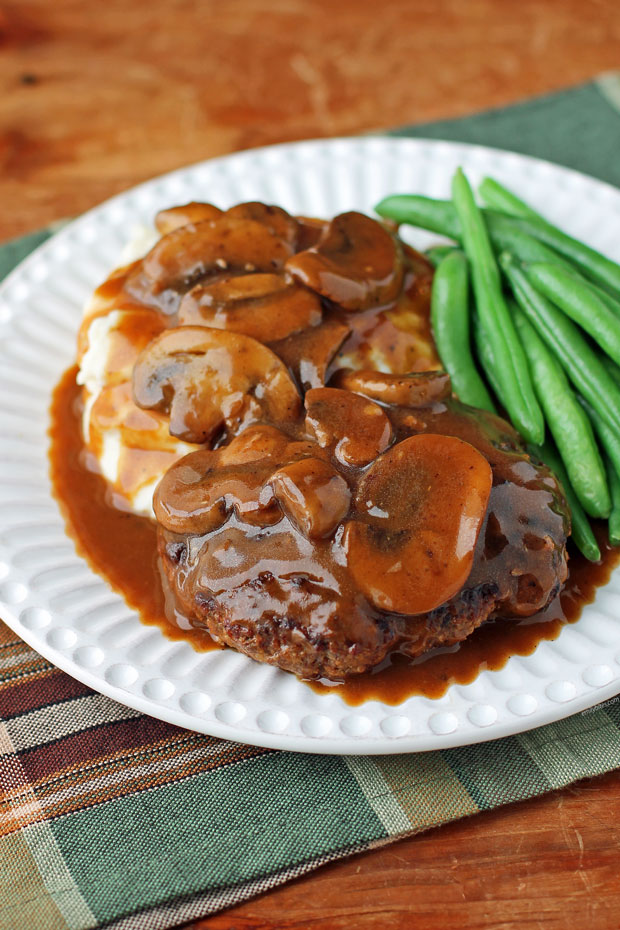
49	596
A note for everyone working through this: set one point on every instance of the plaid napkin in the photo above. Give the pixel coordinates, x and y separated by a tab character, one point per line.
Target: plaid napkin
111	818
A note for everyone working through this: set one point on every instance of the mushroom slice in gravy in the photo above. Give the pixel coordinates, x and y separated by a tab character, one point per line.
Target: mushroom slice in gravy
416	389
355	429
208	379
198	250
264	306
423	504
194	212
357	263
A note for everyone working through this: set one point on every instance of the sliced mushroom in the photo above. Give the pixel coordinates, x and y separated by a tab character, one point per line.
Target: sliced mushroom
198	493
264	306
313	495
274	218
194	212
310	231
422	505
207	379
196	250
357	263
309	353
356	428
416	389
257	443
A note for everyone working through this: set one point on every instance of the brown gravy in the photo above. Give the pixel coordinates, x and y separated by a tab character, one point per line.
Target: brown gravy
122	547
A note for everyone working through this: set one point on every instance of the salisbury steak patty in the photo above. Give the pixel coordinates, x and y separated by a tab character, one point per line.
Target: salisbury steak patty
402	526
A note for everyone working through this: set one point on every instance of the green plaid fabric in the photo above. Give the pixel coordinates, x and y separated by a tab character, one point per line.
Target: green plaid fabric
111	818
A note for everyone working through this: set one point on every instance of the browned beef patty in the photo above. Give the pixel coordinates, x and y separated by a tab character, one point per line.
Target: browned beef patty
270	592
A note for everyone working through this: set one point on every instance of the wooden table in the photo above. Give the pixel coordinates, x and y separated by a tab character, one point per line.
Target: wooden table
98	96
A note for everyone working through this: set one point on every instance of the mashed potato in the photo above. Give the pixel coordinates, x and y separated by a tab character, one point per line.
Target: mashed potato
131	446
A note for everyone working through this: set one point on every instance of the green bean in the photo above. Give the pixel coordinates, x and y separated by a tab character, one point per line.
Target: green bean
440	216
568	423
498	197
582	534
438	252
611	302
450	321
579	360
575	298
607	299
613	528
594	265
506	235
609	438
610	441
435	215
612	369
516	389
485	354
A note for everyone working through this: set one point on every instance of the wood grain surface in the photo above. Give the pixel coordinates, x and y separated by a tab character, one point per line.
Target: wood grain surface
96	96
547	864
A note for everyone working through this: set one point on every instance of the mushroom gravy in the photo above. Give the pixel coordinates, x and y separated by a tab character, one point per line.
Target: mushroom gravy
122	547
136	443
316	508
